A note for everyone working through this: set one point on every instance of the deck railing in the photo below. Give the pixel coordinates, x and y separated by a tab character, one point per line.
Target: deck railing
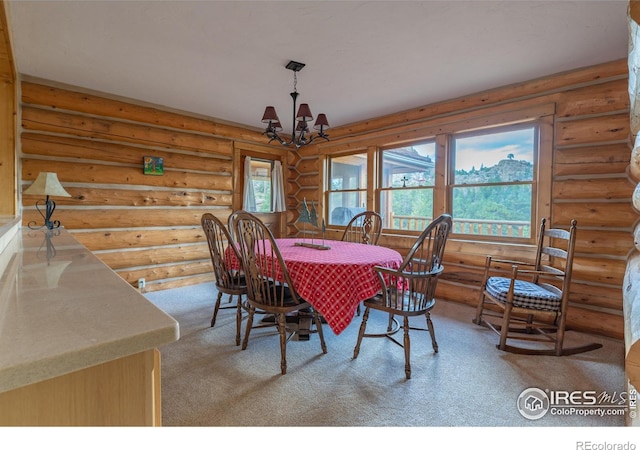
508	228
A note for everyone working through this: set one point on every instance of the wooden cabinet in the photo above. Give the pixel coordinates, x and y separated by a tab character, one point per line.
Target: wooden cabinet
122	392
79	345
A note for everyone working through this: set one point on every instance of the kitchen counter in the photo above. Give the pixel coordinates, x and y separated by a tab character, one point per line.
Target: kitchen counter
63	311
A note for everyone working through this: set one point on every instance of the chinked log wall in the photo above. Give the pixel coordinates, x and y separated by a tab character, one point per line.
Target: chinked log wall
591	155
142	226
148	226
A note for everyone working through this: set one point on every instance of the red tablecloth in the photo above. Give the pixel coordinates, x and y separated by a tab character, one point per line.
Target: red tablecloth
335	281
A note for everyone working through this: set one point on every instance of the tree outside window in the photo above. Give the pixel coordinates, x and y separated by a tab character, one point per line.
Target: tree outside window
493	176
261	180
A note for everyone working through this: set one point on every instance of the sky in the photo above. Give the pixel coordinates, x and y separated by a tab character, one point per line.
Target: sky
490	149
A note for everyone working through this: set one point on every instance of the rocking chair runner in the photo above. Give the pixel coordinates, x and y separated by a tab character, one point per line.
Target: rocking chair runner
531	304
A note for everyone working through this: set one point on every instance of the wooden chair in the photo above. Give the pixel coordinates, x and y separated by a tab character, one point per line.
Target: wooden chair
269	285
228	280
530	304
410	290
364	228
230	220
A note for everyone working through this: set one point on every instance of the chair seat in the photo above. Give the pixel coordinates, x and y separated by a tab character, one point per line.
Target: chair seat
525	294
237	284
408	305
289	301
240	282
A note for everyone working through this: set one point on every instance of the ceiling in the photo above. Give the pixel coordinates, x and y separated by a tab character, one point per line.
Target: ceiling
364	59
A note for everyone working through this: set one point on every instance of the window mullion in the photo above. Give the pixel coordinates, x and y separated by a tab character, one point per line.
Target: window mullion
441	201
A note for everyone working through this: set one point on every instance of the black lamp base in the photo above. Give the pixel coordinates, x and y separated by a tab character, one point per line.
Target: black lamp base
50	206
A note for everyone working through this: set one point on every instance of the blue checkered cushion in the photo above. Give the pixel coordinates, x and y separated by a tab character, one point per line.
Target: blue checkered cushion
525	294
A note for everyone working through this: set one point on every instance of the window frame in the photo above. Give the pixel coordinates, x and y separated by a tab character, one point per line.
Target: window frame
380	189
365	191
441	127
451	185
270	163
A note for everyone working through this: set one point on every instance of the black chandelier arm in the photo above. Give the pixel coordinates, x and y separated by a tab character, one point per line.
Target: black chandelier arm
302	140
273	135
319	135
297	141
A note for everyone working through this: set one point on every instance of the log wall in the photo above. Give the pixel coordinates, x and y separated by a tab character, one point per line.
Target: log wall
148	226
589	181
142	226
8	112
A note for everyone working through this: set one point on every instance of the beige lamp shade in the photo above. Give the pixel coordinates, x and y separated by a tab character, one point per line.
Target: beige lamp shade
47	184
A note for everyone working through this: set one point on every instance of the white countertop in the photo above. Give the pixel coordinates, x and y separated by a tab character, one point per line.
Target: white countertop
62	310
9	226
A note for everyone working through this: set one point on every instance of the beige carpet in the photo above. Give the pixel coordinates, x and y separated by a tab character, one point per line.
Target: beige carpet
208	381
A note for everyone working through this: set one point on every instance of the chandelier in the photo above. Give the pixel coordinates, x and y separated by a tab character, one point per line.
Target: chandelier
300	133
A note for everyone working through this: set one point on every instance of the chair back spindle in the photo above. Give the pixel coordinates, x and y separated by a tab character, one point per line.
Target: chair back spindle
364	228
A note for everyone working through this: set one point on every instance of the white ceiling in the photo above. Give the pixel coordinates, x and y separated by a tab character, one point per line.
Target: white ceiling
364	59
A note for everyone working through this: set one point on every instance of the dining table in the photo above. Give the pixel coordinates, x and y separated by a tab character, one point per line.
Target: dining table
335	276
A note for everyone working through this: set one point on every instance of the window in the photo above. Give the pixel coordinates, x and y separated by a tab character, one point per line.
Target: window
407	180
347	190
262	186
493	181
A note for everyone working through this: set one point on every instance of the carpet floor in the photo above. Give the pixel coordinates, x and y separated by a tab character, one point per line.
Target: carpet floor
208	381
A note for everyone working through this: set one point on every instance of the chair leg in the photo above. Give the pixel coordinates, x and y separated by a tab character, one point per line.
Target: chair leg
479	309
504	329
363	326
432	332
238	319
390	325
483	286
560	335
215	309
407	348
320	332
283	343
252	311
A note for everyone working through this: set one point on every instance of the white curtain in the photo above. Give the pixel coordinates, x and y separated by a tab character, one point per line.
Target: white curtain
277	183
249	198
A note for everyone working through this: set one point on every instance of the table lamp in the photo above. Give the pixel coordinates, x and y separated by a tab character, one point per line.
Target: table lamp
46	184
